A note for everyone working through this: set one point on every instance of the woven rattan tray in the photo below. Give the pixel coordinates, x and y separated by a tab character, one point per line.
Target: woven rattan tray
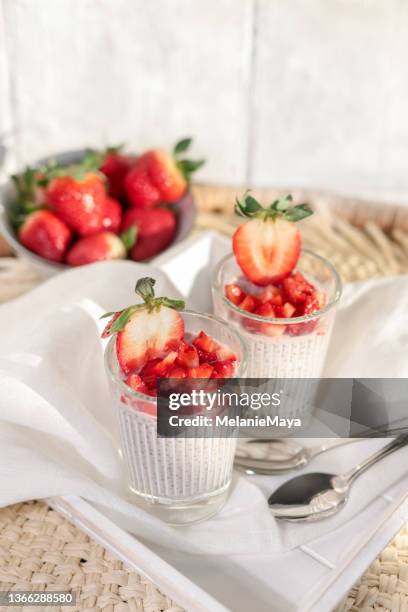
39	549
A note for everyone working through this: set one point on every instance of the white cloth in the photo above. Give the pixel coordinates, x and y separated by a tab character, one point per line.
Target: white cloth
56	416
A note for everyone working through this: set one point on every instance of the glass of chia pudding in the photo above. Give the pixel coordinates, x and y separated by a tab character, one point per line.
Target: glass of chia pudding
287	341
179	479
281	298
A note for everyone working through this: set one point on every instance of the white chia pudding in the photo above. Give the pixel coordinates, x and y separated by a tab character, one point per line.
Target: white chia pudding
170	469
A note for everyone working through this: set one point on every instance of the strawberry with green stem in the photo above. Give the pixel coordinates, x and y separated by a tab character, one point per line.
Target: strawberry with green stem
101	247
146	331
267	246
156	228
158	176
77	193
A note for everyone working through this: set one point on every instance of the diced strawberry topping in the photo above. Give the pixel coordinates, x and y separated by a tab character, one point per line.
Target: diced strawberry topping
249	303
297	288
288	310
164	365
234	293
135	382
293	297
224	369
224	353
188	356
271	292
189	361
177	373
311	305
203	371
266	310
205	343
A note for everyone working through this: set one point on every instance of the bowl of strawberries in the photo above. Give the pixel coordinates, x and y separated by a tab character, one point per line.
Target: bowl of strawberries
84	206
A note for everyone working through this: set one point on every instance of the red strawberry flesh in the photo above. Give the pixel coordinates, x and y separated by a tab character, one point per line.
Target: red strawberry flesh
292	297
266	250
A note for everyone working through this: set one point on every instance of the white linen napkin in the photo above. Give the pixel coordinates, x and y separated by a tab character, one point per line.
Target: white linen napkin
56	416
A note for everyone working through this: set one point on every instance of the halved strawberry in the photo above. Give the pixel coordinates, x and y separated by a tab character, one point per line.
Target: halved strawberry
266	250
147	331
147	335
267	247
234	293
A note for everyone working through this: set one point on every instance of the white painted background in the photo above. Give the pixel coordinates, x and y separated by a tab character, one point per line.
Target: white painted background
294	93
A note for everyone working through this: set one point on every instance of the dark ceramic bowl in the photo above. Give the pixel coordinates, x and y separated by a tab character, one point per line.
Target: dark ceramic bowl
185	218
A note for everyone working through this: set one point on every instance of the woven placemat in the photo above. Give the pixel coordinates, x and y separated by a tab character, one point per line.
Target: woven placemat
39	549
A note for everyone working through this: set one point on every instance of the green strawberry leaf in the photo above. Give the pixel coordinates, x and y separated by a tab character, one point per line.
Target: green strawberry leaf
145	289
182	146
281	204
129	236
301	211
107	314
188	166
121	321
114	149
248	206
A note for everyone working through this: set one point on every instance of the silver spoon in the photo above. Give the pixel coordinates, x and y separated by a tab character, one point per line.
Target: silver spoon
276	456
318	495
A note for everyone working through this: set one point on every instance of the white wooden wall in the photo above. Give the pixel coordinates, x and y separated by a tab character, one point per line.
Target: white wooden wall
310	93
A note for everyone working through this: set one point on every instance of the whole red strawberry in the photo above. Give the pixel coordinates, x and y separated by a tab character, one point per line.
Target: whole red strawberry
46	235
155	230
267	247
115	167
78	202
158	176
112	215
99	247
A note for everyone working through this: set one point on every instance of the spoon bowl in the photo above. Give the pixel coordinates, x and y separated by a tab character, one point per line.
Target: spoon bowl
311	495
318	495
276	456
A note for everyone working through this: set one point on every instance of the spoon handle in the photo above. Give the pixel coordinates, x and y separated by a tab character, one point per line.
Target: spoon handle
346	479
313	451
